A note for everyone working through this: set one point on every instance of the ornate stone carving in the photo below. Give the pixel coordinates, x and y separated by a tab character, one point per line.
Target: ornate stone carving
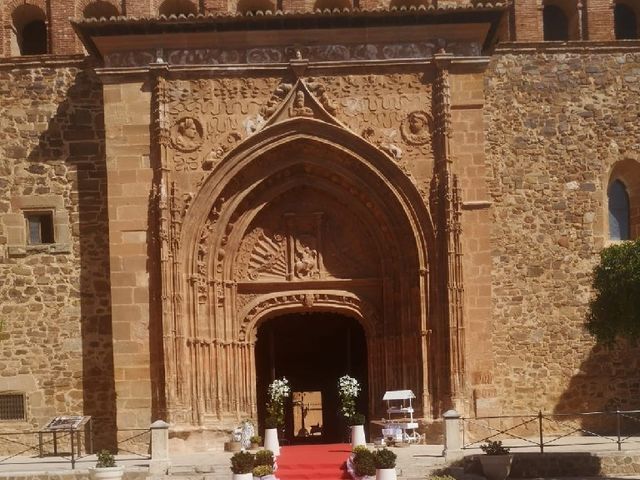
307	299
187	134
274	101
321	94
218	152
416	128
263	254
298	107
306	258
303	99
315	53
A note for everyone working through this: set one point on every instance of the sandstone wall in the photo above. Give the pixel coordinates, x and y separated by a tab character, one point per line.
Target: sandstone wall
55	299
555	124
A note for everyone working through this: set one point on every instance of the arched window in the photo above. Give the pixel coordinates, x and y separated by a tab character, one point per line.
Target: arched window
626	22
555	23
29	31
177	7
618	211
100	9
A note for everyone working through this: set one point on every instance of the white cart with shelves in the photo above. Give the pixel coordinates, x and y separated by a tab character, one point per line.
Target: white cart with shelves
400	423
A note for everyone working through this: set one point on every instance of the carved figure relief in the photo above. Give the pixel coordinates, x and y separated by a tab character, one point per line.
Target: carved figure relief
306	258
187	134
218	152
298	108
274	101
321	94
416	128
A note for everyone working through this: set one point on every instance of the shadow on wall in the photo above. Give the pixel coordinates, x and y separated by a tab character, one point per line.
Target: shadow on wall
607	380
76	135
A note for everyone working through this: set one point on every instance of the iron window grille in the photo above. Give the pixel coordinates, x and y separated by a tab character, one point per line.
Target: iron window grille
12	406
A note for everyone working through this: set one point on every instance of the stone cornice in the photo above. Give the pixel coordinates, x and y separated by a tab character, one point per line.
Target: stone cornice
31	61
458	64
574	46
477	24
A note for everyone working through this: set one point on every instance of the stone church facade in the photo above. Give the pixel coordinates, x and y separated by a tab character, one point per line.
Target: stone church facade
175	176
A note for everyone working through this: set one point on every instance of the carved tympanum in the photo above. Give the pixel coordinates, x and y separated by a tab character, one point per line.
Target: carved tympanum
305	244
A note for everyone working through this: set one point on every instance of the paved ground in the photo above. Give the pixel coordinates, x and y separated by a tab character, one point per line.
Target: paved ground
413	461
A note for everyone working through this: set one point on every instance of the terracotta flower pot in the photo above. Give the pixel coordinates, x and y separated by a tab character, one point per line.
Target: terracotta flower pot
496	467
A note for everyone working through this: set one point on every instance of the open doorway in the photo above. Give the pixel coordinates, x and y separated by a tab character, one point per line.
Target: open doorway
312	350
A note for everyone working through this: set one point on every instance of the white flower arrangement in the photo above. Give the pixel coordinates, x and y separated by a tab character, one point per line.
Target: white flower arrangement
279	389
348	386
348	390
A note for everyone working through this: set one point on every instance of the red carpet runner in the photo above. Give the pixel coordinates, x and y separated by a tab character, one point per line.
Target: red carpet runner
313	462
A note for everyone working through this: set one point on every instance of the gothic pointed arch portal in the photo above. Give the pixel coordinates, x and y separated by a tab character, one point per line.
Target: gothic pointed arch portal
303	216
312	350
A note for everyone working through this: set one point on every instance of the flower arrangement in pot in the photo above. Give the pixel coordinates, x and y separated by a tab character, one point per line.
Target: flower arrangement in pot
496	463
262	472
256	441
106	468
362	463
242	464
348	391
278	391
264	465
385	461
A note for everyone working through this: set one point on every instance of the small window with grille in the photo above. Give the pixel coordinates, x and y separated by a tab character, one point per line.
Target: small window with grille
12	406
39	228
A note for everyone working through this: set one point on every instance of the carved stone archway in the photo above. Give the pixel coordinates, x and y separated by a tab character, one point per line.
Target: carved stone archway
301	216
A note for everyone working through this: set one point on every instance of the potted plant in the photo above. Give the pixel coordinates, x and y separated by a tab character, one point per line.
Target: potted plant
262	472
106	468
277	391
265	457
385	461
242	464
348	390
496	463
256	441
357	430
363	463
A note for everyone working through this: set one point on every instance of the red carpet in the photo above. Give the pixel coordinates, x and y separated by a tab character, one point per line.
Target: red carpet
313	462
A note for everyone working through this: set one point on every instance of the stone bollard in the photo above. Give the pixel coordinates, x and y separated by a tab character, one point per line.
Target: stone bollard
159	464
452	438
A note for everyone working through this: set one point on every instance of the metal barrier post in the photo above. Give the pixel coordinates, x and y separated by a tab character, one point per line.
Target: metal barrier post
159	464
452	440
73	450
618	428
540	429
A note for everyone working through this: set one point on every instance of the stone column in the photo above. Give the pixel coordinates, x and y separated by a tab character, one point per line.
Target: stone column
159	463
452	438
127	112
